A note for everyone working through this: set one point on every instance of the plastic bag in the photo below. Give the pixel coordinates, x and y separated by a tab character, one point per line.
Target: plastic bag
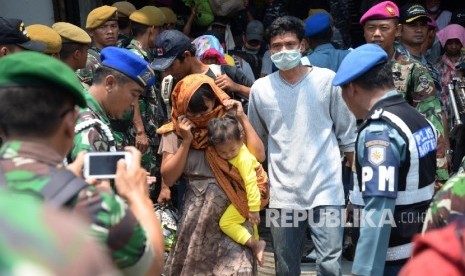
168	217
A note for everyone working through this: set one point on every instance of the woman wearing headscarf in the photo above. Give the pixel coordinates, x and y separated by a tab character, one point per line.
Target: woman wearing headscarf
212	184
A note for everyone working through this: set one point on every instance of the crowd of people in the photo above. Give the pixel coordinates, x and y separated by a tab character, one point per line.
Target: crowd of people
283	125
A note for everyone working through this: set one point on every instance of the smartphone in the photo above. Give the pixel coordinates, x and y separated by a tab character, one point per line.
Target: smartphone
102	165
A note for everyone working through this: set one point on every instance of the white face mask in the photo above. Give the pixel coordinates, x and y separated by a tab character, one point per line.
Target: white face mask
287	59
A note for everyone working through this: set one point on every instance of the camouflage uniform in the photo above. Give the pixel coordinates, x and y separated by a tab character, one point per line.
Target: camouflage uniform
433	71
123	40
28	167
86	75
152	118
50	247
448	204
412	79
91	136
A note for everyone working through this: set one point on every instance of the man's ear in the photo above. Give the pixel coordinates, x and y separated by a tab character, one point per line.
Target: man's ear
399	29
4	51
69	122
110	83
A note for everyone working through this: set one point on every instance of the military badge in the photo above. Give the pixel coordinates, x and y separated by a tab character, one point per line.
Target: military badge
390	10
376	155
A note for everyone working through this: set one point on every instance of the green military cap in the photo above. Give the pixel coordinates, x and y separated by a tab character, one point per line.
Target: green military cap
32	68
148	15
169	15
71	33
98	16
125	8
46	35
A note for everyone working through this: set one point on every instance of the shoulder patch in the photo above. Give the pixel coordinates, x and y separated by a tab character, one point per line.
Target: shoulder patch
425	141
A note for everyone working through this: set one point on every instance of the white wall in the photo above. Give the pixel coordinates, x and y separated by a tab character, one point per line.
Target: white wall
30	11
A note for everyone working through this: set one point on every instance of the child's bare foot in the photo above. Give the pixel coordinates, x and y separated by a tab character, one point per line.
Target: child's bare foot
258	249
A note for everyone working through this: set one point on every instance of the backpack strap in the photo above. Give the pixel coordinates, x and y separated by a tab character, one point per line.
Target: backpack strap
63	186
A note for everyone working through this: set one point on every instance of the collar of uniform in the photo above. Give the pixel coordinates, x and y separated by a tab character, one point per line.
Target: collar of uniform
33	151
136	45
324	47
388	95
94	106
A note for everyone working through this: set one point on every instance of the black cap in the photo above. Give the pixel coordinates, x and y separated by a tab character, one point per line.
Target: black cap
458	17
411	12
169	45
13	31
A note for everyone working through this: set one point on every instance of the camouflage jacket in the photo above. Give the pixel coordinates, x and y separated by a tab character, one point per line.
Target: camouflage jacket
92	129
86	75
412	79
448	204
29	166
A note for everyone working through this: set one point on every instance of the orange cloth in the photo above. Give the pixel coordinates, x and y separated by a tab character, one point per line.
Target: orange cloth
228	176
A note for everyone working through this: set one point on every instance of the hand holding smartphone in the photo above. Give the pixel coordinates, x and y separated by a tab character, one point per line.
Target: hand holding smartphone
102	165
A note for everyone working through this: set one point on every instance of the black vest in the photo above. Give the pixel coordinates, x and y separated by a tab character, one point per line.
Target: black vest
415	186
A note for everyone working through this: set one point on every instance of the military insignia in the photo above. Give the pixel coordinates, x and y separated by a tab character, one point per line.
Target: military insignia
100	145
146	75
390	9
377	155
423	81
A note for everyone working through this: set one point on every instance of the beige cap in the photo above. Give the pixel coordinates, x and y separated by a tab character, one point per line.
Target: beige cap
46	35
71	32
98	16
148	15
169	15
125	8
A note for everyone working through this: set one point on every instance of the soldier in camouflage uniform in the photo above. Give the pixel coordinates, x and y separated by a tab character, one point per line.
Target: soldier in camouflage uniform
411	78
146	24
38	122
125	9
75	47
42	226
103	28
117	86
448	204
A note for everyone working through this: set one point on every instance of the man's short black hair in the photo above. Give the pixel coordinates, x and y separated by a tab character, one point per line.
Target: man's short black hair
138	29
377	77
68	48
103	71
286	24
33	111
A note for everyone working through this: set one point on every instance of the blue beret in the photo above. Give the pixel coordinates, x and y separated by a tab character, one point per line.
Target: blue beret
128	63
317	24
358	62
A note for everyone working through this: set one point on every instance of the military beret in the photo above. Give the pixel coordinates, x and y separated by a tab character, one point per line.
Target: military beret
98	16
125	8
128	63
358	62
169	15
32	68
72	33
383	10
46	35
317	24
149	16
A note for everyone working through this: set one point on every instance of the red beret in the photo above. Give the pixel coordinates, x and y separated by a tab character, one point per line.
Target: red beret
383	10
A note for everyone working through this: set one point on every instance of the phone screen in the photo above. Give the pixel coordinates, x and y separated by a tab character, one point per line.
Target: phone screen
103	164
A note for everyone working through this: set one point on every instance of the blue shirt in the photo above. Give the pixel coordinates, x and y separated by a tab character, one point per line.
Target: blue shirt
326	56
372	246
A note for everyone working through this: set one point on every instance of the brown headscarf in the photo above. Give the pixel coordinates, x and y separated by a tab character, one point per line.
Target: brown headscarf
227	175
